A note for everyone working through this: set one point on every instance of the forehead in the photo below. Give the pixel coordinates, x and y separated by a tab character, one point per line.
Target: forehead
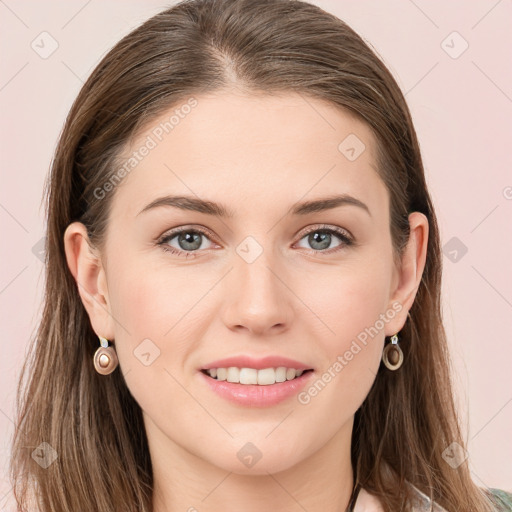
253	150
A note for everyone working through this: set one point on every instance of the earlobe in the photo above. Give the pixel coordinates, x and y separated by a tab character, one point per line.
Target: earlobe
87	270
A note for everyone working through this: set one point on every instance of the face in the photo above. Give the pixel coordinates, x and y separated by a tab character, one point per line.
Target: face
316	285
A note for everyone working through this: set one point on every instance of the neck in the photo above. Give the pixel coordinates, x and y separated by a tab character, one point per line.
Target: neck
323	482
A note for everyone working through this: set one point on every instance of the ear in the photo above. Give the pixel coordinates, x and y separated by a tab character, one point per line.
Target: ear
406	280
87	269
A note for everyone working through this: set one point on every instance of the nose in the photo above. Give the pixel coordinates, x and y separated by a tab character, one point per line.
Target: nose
257	297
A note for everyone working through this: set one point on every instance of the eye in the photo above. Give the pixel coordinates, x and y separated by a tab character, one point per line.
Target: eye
189	241
321	237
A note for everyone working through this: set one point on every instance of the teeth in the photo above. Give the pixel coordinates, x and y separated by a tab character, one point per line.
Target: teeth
262	377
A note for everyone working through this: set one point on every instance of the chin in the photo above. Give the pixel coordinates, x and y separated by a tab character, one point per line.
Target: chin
254	459
260	468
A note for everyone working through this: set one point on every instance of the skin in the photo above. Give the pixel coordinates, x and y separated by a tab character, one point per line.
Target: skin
258	155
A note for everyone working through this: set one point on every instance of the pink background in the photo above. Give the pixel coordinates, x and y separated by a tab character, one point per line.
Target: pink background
461	106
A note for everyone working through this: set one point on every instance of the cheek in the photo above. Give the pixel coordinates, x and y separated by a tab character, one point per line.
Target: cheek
350	302
159	314
151	313
349	298
152	298
352	345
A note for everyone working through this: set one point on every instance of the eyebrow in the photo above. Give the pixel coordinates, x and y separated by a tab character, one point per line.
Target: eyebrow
219	210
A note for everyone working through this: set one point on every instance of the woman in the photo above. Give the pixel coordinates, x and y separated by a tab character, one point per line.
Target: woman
242	303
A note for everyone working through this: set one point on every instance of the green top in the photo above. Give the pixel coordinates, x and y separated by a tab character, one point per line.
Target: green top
503	498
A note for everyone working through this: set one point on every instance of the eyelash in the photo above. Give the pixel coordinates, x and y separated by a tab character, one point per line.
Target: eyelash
346	240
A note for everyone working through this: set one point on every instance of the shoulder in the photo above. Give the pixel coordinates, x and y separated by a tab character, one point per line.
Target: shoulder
422	503
367	502
502	499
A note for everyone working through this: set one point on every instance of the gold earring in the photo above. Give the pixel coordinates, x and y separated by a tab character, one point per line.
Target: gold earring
392	356
105	358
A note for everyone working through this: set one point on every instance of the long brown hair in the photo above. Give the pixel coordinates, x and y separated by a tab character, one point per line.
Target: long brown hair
92	422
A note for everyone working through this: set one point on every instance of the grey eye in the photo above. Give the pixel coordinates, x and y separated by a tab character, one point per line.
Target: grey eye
321	239
189	240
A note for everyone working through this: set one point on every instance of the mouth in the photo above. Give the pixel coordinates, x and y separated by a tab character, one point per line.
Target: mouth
253	376
256	387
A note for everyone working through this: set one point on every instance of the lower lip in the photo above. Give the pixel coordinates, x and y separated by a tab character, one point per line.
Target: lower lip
254	395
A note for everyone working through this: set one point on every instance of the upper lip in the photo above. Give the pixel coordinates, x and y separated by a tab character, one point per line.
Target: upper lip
246	361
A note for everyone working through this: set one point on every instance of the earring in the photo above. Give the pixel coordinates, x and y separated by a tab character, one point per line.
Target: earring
392	356
105	358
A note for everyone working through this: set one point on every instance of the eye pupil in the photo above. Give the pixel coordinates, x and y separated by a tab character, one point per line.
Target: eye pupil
325	239
189	239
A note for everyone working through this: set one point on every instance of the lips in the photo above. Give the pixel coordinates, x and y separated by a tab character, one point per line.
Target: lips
246	361
255	395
